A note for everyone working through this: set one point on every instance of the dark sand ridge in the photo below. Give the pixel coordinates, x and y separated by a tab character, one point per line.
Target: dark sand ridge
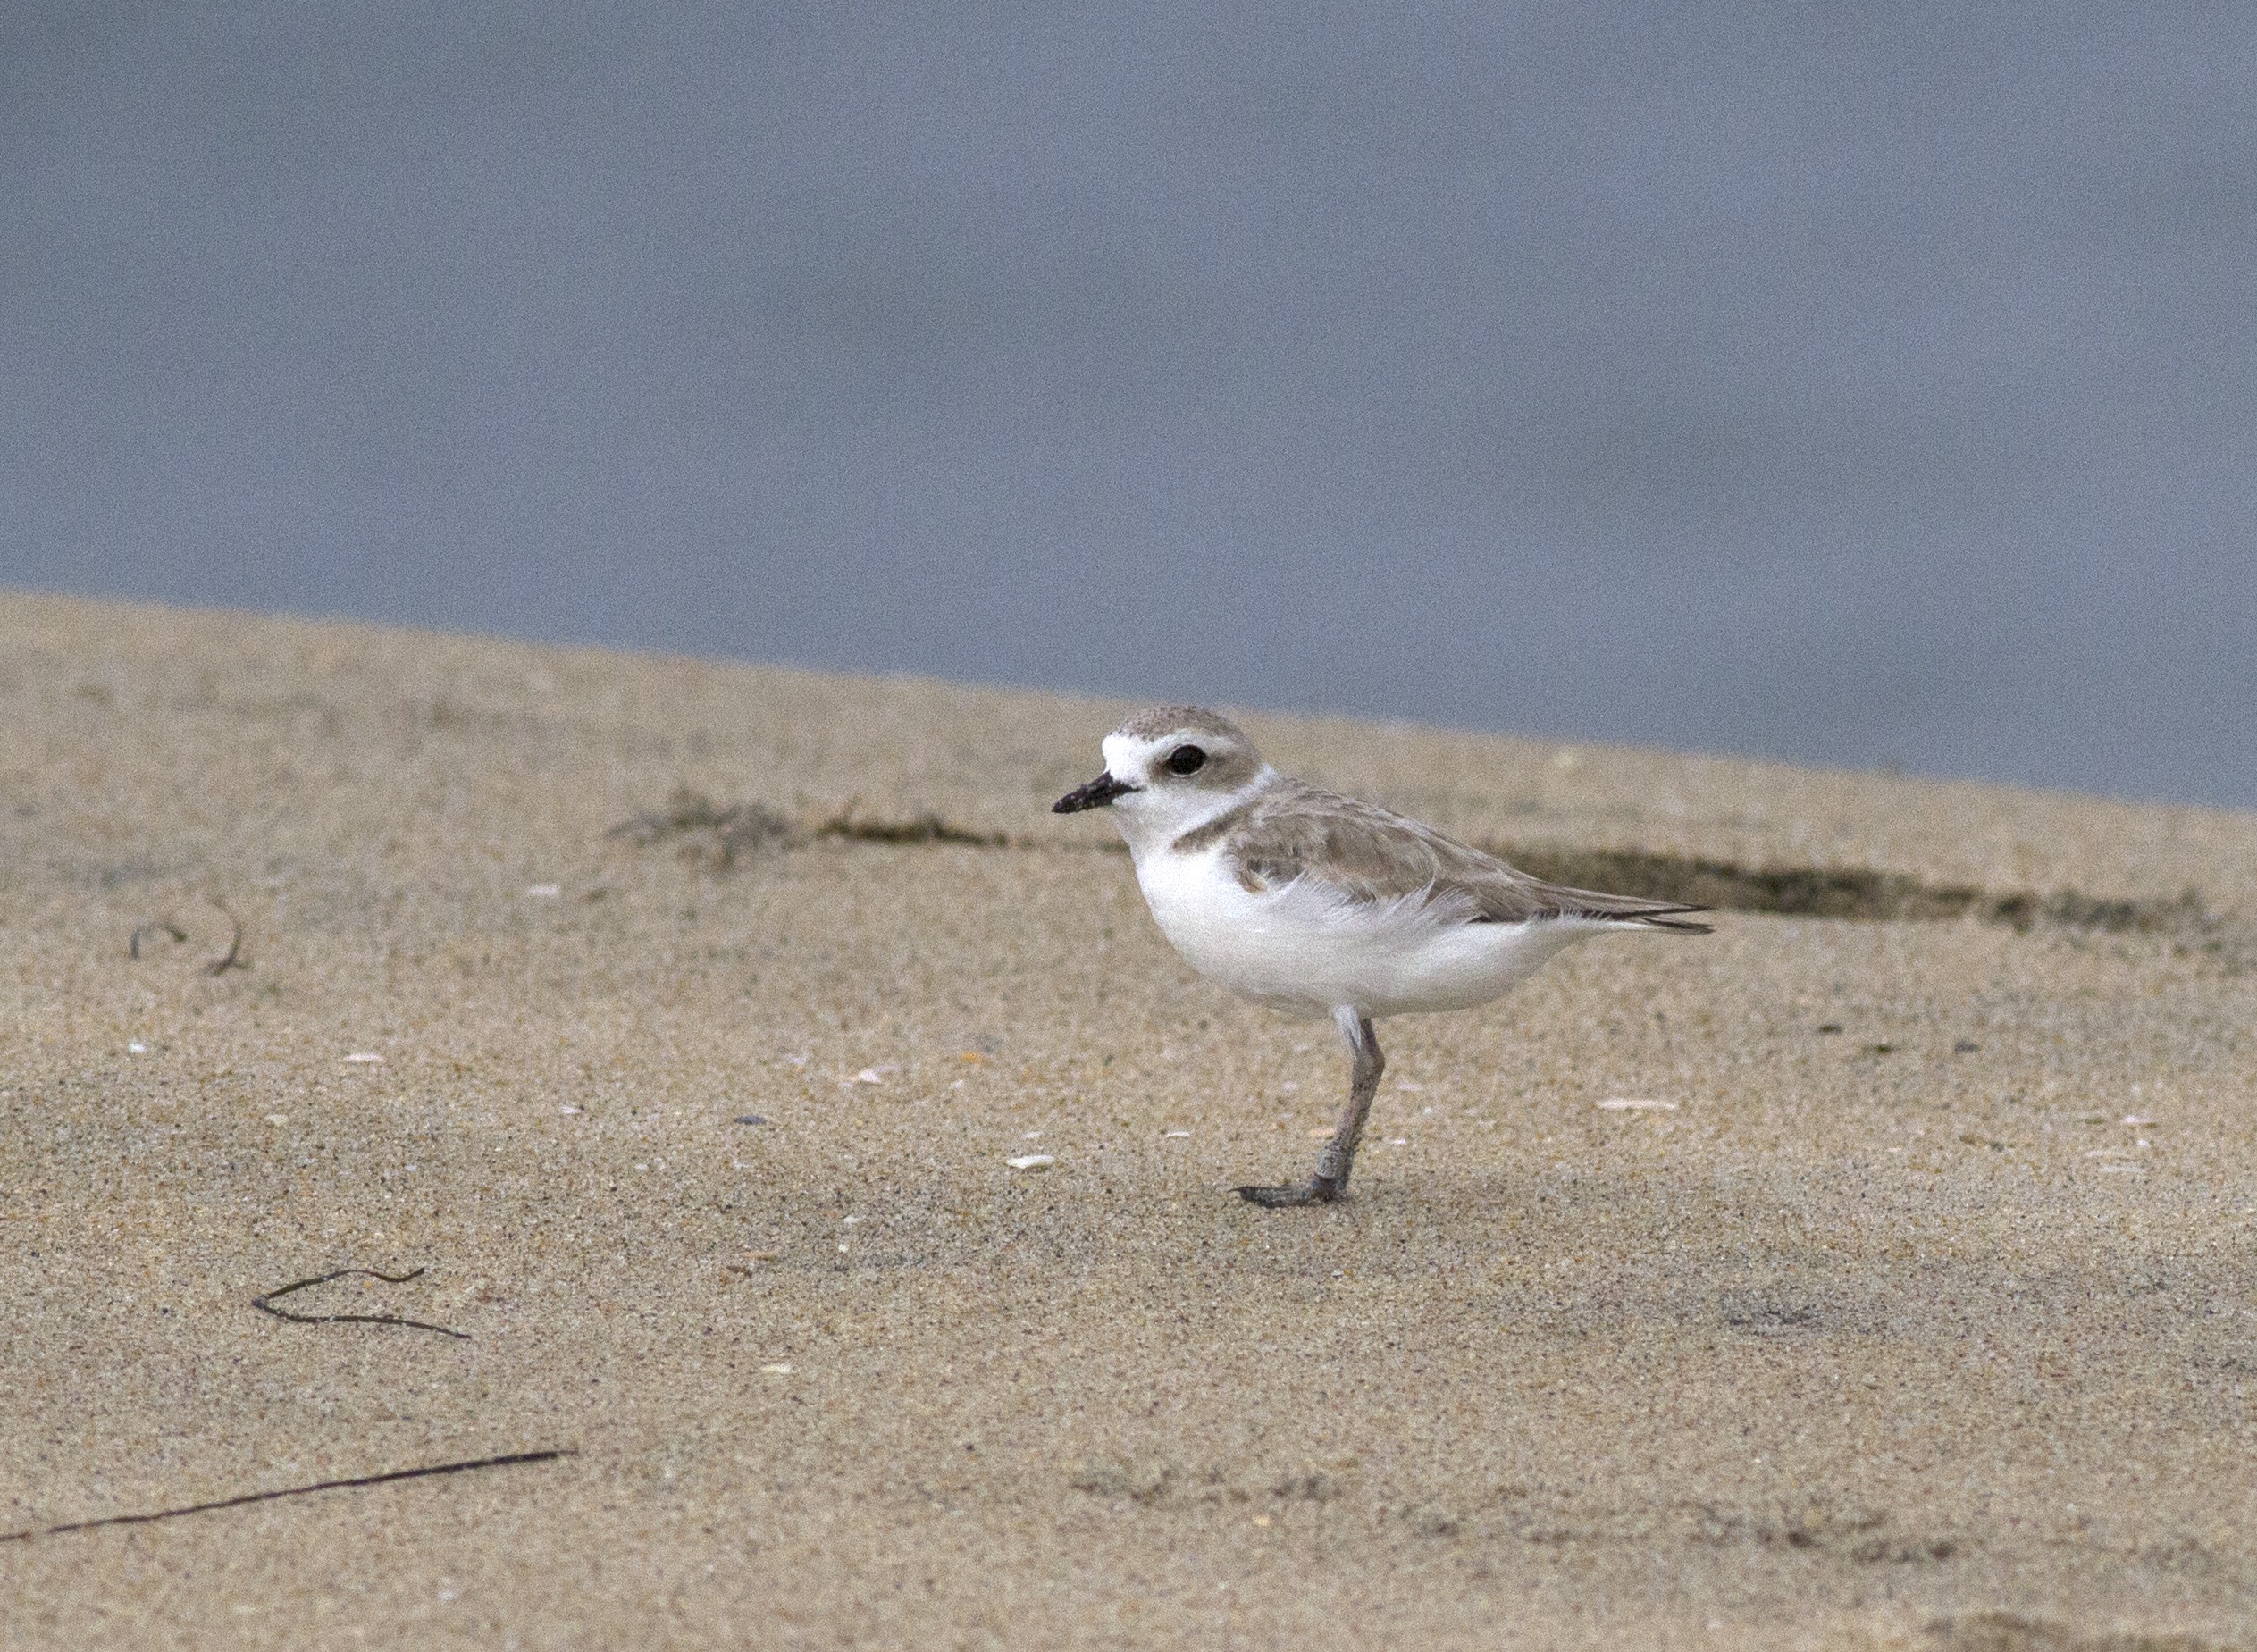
1893	1334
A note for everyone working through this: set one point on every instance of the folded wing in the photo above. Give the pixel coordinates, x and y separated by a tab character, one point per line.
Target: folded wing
1361	853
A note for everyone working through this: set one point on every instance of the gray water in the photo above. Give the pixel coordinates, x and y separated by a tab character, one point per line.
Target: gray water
1860	385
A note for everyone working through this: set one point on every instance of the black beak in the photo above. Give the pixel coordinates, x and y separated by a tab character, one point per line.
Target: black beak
1097	795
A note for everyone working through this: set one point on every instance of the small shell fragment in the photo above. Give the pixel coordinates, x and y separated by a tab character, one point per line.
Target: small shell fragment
1031	1161
776	1371
364	1058
543	891
1636	1103
2137	1119
1171	1135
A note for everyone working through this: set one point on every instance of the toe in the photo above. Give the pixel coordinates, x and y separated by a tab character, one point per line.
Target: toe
1270	1198
1286	1198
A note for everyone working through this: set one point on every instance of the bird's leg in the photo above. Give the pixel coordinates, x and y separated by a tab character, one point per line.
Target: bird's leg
1338	1157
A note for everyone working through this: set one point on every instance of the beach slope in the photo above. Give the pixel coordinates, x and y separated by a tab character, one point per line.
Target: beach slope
1881	1271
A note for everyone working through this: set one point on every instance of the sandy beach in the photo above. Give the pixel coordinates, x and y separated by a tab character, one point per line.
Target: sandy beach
674	1023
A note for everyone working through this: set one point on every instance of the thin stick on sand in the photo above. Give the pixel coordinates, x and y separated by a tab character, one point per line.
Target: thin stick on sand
30	1532
265	1304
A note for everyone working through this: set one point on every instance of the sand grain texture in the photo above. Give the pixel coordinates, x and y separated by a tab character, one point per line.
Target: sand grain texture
1891	1335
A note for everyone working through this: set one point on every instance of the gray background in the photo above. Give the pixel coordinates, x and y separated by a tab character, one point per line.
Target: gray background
1861	384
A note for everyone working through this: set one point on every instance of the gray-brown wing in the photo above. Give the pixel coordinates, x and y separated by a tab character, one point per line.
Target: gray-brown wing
1369	853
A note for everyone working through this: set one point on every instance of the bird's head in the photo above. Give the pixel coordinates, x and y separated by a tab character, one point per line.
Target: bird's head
1168	768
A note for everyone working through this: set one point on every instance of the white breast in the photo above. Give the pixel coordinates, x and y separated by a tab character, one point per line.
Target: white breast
1303	948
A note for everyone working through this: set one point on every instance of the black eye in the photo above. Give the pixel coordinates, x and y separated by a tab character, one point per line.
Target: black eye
1186	760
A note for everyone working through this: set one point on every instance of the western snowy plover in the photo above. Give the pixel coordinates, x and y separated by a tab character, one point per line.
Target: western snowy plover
1320	905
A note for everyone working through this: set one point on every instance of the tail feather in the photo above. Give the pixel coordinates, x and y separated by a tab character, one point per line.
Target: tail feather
1677	916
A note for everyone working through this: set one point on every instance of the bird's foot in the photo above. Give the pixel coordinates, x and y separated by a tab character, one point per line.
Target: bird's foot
1316	1190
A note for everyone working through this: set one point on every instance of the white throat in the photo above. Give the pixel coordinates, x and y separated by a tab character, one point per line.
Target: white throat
1152	819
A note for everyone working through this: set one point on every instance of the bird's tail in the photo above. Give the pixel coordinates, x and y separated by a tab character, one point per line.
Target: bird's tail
1632	911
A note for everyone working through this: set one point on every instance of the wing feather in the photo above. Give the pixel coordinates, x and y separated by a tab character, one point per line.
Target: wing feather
1364	854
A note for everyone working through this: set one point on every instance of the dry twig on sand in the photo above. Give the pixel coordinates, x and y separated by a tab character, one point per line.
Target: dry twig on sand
171	929
266	1303
30	1532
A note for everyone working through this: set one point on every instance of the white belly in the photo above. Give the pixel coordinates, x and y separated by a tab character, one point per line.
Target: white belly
1301	950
